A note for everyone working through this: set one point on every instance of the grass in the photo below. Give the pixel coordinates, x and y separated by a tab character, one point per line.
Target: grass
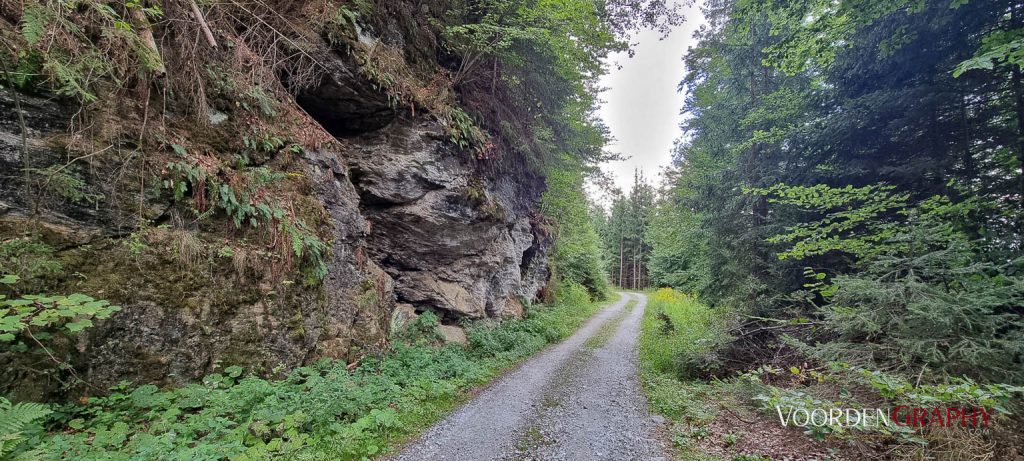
323	411
677	332
532	439
604	334
678	341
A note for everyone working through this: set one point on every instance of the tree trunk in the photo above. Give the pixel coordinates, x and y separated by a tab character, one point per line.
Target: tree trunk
622	263
494	76
1018	94
640	268
970	170
634	269
145	32
210	40
643	268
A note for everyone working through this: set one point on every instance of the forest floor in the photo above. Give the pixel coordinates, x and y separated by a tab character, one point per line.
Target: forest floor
578	400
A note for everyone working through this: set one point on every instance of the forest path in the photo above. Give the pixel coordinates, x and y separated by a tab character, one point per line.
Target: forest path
578	400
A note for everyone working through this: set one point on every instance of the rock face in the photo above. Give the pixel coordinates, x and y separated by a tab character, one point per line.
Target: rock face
180	319
453	242
343	103
453	334
414	223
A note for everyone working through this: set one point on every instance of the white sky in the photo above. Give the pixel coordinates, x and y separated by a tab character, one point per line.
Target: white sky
641	105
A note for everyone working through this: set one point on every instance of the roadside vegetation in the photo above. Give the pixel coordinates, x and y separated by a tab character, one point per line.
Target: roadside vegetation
327	410
718	412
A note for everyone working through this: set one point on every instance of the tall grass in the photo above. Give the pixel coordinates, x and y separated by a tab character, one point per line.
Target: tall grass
678	334
678	339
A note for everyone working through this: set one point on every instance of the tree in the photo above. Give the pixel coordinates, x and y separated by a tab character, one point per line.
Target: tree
826	139
626	232
578	256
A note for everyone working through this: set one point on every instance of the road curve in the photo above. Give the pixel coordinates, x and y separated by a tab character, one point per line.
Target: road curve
578	400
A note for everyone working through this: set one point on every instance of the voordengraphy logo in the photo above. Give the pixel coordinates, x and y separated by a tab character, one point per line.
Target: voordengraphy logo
941	416
865	418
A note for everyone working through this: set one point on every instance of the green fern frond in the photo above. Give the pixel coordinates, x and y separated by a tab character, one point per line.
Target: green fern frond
30	455
34	22
14	418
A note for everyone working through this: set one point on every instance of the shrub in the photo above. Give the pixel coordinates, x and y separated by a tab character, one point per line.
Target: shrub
70	313
680	335
578	250
27	258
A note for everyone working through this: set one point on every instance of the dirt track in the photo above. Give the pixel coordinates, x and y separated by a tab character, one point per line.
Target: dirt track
578	400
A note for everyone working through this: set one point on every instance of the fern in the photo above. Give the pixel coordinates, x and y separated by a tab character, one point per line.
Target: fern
34	22
245	202
61	40
14	419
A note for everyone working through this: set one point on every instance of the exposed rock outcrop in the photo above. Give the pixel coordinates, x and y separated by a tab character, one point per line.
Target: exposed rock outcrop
412	220
182	315
453	241
452	334
344	103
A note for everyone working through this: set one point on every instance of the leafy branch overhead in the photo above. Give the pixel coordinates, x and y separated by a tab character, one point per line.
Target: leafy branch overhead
851	221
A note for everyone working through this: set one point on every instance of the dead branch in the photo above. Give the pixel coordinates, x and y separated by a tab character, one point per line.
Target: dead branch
203	25
60	362
741	333
734	415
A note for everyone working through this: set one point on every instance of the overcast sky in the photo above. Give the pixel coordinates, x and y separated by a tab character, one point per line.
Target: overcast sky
641	105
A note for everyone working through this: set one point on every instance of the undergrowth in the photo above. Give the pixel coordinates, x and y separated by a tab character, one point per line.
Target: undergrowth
247	194
679	345
680	335
321	411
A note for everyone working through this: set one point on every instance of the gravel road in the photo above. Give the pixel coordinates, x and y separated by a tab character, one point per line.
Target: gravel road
578	400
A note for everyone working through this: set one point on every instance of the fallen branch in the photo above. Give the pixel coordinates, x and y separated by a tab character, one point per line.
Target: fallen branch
736	415
775	327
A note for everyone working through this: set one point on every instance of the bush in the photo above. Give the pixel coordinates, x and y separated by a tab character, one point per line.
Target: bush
515	339
939	310
680	336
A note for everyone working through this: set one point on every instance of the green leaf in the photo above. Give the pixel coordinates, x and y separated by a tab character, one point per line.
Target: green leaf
234	371
75	327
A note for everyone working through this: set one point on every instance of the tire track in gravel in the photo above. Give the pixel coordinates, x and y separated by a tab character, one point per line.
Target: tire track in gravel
578	400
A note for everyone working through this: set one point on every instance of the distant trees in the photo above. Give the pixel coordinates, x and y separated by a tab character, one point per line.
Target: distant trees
578	251
624	232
